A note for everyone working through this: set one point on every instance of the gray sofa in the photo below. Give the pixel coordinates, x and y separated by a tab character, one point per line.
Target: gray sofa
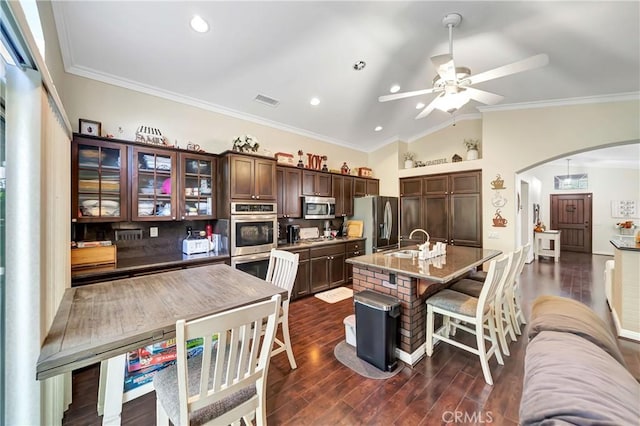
574	372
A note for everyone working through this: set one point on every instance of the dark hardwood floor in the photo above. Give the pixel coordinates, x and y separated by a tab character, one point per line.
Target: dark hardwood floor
321	391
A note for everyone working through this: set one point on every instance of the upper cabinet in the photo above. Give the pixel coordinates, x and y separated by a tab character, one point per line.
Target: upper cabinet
289	183
197	183
153	184
316	183
99	181
364	186
252	178
343	193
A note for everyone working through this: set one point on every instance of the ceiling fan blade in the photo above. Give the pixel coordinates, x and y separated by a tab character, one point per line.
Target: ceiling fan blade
487	98
427	110
395	96
532	62
445	67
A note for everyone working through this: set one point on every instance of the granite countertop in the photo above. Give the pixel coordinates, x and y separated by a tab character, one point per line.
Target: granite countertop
457	261
318	242
626	244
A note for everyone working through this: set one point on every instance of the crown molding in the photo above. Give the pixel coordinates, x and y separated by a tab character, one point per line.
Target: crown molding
618	97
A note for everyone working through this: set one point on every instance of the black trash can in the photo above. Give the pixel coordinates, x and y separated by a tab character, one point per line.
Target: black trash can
376	328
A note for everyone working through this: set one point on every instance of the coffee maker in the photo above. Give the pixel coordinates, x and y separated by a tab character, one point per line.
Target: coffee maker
293	233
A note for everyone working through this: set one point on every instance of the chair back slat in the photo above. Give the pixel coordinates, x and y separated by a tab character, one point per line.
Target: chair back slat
509	280
525	252
282	270
239	358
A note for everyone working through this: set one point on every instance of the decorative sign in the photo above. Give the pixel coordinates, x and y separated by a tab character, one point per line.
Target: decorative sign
624	208
314	161
497	183
579	181
499	221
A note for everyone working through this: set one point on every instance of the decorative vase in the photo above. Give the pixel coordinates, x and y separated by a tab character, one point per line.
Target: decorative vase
408	164
472	154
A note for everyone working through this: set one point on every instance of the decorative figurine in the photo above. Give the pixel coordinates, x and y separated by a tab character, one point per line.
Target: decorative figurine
345	169
324	164
300	163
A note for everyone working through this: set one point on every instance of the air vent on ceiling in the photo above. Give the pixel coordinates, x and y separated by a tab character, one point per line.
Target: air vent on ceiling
267	100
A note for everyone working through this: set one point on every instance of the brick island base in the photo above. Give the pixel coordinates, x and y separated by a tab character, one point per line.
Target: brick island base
411	333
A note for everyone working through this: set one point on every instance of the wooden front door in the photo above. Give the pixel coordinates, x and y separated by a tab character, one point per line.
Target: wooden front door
571	214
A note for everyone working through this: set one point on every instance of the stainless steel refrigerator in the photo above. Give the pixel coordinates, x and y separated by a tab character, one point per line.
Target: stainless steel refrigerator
380	221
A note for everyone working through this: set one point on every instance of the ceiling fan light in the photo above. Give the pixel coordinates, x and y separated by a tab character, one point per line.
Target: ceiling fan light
452	102
395	88
420	105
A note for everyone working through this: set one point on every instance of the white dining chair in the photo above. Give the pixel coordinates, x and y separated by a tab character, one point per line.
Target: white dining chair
282	271
501	306
467	311
515	299
227	381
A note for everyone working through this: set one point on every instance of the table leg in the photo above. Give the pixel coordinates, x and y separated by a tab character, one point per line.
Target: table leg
113	390
101	387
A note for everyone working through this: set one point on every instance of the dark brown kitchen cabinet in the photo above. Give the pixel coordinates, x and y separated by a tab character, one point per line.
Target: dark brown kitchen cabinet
197	186
301	285
363	187
327	267
289	185
410	215
252	178
99	181
342	190
316	183
450	208
410	187
352	249
153	184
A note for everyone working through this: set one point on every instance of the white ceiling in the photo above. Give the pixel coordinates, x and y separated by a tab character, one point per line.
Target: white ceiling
293	51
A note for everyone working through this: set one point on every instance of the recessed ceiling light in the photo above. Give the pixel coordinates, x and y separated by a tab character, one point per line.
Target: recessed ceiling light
420	105
314	101
378	128
198	24
395	88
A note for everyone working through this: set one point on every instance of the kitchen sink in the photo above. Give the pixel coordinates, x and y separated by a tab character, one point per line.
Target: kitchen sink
403	253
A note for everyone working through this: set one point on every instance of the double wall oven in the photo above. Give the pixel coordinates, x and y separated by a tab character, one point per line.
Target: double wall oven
254	232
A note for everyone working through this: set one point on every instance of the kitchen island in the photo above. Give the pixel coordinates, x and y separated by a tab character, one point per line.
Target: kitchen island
402	275
625	291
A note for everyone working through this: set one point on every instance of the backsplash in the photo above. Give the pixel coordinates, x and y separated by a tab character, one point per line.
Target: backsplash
335	224
170	235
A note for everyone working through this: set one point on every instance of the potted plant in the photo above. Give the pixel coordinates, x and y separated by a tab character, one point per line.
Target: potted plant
472	148
408	159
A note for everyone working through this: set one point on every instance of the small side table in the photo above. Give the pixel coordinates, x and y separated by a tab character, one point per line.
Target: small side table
538	240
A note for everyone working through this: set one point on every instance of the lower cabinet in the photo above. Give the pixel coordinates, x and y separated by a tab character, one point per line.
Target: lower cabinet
301	286
327	267
323	267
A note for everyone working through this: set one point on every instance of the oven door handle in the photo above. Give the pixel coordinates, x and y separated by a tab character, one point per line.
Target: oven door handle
252	257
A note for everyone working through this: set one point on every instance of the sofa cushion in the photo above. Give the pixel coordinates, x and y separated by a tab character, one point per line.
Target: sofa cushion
568	379
554	313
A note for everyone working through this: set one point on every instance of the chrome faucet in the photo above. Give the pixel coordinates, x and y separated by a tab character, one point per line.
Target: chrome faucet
419	230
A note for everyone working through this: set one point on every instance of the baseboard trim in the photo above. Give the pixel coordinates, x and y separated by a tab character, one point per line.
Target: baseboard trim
411	358
623	332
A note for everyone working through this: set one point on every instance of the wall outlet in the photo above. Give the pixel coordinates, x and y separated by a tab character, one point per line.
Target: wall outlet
153	231
493	235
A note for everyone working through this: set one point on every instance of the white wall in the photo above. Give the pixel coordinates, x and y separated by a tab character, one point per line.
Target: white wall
515	140
605	184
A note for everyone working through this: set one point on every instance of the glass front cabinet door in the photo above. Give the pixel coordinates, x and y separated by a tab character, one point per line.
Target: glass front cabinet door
197	186
154	184
99	181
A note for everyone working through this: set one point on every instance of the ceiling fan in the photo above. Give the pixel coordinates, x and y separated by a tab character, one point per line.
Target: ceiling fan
454	83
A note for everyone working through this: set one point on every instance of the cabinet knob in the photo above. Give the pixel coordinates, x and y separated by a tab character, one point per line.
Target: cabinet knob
173	217
257	196
253	196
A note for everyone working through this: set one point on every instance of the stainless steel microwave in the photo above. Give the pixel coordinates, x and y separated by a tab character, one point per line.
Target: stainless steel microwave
319	207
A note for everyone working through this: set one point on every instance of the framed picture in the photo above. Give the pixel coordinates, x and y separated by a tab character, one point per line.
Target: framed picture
89	127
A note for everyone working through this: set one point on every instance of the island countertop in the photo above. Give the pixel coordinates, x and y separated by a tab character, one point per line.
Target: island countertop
442	269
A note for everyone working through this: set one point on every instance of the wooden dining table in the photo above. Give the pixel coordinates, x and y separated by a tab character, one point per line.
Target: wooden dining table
103	322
